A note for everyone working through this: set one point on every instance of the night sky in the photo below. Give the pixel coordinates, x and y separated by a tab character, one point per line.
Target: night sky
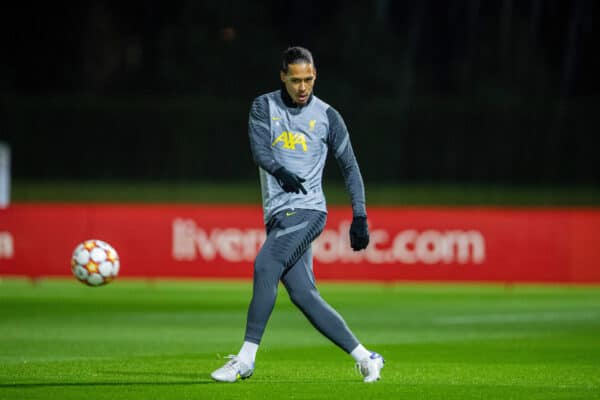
466	90
57	46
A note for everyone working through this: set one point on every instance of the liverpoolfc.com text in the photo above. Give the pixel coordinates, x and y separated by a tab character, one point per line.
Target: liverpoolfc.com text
409	246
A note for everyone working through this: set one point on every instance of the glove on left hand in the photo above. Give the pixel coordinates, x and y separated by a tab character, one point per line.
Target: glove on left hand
359	233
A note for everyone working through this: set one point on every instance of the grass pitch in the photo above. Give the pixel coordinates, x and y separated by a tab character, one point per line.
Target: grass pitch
161	339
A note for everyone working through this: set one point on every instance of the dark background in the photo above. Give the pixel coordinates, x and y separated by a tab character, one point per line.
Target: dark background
432	91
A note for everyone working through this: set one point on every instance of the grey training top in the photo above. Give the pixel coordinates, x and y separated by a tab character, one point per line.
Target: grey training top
298	138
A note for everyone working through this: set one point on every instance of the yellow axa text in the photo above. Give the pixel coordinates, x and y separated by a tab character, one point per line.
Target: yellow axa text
290	140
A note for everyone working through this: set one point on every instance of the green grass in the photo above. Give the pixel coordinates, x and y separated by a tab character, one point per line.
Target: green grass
249	192
161	339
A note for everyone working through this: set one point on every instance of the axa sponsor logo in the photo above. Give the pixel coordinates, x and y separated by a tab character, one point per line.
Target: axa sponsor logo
430	246
289	140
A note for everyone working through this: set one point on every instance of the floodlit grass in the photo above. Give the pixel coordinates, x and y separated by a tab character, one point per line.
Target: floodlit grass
249	192
161	339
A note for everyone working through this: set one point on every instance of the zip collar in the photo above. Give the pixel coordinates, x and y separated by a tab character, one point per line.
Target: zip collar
287	99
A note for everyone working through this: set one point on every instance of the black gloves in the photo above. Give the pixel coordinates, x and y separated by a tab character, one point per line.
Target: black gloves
359	233
288	181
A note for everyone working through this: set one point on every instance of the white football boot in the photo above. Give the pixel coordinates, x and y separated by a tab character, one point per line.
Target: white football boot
233	370
370	367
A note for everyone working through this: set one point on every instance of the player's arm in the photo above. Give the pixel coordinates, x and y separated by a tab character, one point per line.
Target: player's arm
340	145
260	145
259	131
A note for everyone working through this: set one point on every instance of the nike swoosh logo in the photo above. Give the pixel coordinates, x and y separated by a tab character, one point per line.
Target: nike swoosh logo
289	214
275	118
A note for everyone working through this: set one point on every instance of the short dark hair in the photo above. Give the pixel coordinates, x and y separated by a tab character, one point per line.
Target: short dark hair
296	55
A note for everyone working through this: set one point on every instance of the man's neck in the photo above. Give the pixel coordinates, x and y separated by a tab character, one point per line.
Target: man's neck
287	99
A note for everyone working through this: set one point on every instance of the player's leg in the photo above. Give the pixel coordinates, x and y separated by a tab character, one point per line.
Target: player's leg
300	284
299	281
288	236
267	272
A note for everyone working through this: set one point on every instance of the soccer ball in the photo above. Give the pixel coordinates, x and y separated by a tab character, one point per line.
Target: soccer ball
95	263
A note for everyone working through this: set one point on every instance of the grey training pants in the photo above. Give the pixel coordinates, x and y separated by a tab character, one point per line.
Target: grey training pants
286	255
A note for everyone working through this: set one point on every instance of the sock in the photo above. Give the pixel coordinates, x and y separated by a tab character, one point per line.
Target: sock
248	353
360	353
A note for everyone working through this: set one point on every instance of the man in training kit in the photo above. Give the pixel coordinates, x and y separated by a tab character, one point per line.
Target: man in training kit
291	131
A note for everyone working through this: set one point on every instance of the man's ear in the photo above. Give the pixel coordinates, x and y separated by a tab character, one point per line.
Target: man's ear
282	76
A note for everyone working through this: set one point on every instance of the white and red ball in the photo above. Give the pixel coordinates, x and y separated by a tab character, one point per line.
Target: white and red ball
95	263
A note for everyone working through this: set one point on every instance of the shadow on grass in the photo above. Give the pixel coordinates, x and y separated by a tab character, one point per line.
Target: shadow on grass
83	384
152	373
192	380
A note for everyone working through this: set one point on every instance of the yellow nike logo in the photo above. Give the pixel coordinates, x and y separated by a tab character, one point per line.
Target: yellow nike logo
275	118
290	213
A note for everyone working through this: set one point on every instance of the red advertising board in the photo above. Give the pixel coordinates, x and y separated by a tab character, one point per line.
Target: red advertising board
416	244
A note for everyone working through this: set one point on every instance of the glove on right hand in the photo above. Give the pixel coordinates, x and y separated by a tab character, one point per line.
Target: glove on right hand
289	182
